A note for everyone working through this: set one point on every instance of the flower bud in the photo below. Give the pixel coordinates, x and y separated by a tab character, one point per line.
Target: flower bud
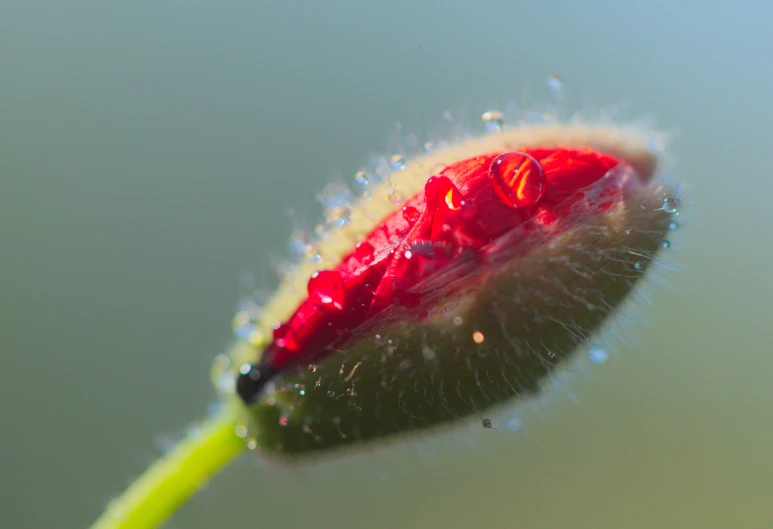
500	261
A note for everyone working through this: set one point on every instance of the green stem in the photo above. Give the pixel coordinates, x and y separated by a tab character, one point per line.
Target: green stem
171	480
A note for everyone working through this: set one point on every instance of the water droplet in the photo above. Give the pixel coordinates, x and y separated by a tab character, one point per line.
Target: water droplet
331	394
361	177
493	120
395	197
302	392
328	288
555	87
478	337
665	244
673	225
397	162
252	444
342	217
315	258
411	214
439	190
487	423
283	421
241	431
552	354
299	244
513	424
364	252
598	355
517	179
671	205
312	368
458	320
637	265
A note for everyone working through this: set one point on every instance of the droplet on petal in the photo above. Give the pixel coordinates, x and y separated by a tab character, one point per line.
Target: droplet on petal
364	252
328	287
440	189
411	214
517	179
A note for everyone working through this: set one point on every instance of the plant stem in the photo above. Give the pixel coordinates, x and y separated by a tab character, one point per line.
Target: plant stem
171	480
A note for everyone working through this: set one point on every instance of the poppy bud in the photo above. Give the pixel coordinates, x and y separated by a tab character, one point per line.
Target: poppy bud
499	262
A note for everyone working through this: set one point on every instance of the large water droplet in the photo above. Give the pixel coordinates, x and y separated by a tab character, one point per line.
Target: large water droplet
671	205
328	288
517	179
440	189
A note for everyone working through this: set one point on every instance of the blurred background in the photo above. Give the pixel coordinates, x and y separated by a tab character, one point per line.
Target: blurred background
150	153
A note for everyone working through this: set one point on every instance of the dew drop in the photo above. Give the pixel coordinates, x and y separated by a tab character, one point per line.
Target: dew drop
493	120
637	265
671	205
361	177
555	87
411	214
665	244
331	394
487	423
458	320
299	244
598	355
312	368
241	431
397	161
328	288
478	337
428	146
252	444
439	189
673	225
364	252
517	179
552	354
513	424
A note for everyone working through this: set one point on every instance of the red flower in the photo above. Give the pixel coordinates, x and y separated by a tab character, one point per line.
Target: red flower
458	217
496	268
